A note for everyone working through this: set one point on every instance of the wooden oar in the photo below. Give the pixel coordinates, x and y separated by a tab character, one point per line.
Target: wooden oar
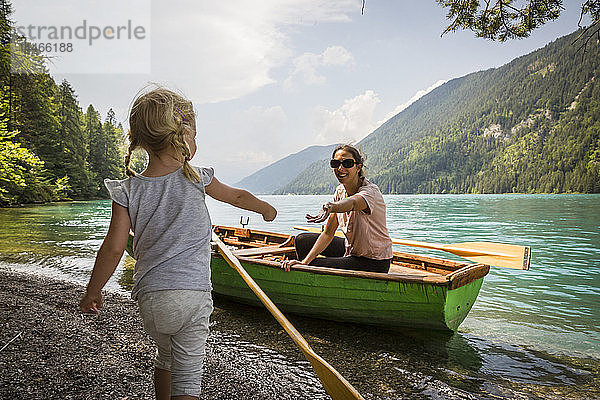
490	253
334	383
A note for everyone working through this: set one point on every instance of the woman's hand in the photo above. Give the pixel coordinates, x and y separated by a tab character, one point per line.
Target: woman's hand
322	215
286	264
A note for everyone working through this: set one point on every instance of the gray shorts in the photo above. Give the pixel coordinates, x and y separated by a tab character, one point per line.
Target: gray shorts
177	320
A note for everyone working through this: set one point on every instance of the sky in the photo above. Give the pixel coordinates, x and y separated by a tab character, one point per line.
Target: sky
267	78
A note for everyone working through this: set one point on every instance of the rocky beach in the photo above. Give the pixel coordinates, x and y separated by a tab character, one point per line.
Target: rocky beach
50	350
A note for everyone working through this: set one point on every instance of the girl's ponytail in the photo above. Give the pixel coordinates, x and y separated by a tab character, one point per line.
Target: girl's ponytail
128	170
178	141
190	172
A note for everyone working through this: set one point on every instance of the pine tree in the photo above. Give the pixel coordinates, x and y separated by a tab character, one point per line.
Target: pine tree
74	152
105	156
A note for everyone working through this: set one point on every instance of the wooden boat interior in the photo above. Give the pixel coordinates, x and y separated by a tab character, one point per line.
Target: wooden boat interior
270	248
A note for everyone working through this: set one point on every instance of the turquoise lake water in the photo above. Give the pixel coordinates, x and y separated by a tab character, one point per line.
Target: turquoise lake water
531	334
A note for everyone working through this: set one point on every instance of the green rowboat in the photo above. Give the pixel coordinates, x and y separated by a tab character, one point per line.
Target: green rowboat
419	291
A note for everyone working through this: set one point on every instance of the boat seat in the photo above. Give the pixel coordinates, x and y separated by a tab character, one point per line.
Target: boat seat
262	251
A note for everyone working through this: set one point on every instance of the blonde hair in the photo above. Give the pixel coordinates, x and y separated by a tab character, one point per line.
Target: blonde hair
158	120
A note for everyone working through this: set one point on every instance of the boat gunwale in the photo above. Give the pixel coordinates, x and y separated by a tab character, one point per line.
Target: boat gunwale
456	274
466	275
379	276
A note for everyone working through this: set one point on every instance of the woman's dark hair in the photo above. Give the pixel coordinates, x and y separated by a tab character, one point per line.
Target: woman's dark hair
358	158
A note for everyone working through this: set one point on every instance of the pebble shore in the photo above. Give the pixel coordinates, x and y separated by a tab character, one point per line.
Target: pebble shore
52	351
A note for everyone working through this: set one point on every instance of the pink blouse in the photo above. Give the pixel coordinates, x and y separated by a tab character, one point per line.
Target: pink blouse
366	232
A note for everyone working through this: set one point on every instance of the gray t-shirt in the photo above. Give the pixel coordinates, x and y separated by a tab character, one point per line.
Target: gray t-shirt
172	230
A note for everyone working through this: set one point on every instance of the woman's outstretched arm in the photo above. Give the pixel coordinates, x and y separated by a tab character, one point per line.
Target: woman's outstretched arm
352	203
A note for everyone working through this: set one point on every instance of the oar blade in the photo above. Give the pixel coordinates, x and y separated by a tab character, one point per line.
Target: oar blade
489	253
333	382
496	254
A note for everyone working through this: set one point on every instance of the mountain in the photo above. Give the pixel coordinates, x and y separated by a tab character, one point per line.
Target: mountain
530	126
274	176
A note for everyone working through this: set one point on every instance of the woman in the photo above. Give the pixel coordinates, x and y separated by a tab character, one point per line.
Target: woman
358	210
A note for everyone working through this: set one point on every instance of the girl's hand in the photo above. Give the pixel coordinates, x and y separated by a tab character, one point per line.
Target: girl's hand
270	213
321	216
286	264
91	303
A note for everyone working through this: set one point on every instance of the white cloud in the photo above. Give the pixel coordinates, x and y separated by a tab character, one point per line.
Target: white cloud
212	51
337	55
225	50
351	122
306	65
416	97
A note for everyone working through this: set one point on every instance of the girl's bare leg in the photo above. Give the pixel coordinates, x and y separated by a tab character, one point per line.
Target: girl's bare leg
162	384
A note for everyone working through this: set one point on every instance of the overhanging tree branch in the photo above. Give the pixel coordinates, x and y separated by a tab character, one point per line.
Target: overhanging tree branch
591	8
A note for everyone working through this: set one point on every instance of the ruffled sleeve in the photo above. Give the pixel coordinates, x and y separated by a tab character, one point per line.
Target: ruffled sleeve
207	175
117	192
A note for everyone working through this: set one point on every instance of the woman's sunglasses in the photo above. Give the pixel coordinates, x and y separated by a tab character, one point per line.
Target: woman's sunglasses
346	163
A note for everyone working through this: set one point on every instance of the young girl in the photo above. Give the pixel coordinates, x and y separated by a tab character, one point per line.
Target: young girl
164	207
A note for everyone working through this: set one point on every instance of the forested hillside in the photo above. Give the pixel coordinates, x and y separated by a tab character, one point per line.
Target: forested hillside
276	175
49	148
530	126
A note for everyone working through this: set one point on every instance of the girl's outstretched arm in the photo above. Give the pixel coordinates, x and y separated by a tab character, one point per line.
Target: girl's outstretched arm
108	258
240	198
